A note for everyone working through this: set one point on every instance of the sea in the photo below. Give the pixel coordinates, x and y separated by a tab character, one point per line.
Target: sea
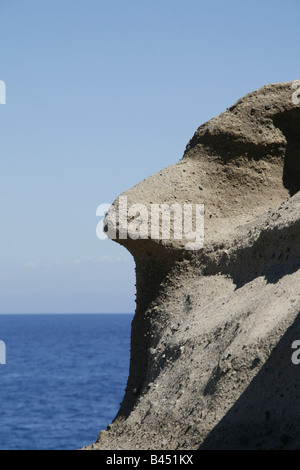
63	380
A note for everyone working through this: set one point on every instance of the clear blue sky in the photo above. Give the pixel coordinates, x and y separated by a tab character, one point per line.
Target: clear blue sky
100	95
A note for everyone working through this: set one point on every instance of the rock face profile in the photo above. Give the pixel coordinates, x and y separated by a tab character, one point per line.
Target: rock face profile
214	361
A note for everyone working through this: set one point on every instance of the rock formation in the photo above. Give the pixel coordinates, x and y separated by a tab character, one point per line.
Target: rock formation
212	335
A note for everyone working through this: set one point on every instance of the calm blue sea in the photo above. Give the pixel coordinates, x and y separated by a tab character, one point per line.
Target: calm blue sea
63	380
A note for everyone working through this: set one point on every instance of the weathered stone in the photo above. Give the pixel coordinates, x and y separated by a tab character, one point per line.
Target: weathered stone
222	319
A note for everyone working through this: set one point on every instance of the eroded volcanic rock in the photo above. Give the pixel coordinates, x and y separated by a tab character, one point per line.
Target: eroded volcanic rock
211	340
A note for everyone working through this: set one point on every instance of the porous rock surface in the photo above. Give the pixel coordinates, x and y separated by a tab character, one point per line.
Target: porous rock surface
212	335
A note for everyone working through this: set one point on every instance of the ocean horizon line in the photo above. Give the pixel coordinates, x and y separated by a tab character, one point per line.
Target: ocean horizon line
68	313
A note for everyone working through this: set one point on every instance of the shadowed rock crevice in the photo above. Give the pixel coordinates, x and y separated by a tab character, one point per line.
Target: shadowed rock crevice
289	123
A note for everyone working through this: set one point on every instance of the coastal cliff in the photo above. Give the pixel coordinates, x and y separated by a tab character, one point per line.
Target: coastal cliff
211	341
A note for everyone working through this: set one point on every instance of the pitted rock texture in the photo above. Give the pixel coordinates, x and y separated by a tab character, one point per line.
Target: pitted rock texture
211	337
